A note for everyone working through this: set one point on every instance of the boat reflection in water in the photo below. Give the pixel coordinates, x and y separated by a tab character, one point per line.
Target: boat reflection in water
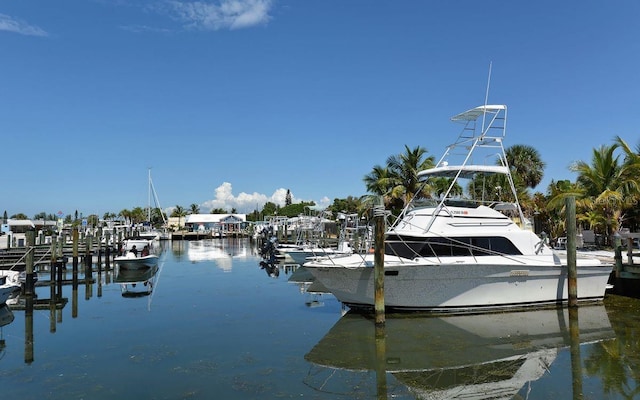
136	282
309	286
490	356
6	317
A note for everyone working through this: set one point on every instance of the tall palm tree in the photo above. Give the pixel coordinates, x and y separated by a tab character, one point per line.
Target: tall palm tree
194	209
380	182
605	183
179	212
398	181
526	164
404	169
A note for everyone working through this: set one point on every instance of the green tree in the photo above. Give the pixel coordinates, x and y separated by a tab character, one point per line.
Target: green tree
180	213
603	186
398	182
194	209
525	163
269	208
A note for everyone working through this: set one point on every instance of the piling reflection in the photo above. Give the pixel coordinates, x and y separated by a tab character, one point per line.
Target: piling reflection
470	356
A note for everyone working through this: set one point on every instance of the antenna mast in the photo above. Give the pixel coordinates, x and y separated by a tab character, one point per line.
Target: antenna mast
486	98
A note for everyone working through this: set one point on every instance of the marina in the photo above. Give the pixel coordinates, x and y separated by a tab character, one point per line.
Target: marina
215	325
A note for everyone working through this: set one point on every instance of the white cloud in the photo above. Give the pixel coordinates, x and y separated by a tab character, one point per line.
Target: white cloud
243	202
227	14
10	24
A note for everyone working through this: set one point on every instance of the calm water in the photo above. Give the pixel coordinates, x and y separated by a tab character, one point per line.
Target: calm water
218	326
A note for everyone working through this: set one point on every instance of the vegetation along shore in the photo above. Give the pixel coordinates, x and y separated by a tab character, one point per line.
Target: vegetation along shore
607	192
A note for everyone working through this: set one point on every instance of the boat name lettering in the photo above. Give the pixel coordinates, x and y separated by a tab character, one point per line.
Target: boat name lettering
519	272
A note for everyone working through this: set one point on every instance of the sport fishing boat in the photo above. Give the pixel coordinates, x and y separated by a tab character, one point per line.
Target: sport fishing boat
462	250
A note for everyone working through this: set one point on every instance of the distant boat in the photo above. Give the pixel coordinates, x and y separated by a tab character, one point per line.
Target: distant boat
460	253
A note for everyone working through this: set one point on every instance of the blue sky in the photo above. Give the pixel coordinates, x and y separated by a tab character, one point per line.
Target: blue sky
231	103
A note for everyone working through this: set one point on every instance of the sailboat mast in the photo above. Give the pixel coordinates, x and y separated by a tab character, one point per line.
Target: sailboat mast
149	197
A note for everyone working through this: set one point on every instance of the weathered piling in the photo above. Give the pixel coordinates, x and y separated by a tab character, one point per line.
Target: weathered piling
54	258
31	241
75	241
88	257
572	273
379	264
107	251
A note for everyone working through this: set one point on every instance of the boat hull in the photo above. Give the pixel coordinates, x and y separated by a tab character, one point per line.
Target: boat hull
461	288
127	262
6	291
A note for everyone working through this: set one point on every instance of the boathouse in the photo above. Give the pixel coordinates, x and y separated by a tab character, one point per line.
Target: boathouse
216	223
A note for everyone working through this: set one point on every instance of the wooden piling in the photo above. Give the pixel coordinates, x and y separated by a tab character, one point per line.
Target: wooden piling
379	265
54	259
75	240
31	241
572	273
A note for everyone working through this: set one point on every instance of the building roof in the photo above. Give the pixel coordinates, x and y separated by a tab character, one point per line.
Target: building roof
212	218
20	222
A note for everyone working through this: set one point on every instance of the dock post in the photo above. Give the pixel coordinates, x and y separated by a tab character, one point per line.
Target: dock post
99	244
379	216
75	239
572	273
88	267
31	240
630	251
54	257
107	251
617	248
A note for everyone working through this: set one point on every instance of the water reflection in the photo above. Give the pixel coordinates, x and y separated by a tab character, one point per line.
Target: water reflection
6	317
471	356
221	251
308	284
136	282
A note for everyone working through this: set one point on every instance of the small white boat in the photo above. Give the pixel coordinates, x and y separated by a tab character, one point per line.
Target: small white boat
138	243
458	253
8	286
131	261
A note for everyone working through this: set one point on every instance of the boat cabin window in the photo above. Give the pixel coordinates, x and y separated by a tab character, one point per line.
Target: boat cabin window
411	247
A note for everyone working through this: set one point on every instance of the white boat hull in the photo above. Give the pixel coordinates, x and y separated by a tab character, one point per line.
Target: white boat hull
6	291
459	288
130	262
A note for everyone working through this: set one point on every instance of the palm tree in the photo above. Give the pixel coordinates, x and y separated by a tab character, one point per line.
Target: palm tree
526	164
605	183
179	212
404	170
398	182
194	209
380	182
